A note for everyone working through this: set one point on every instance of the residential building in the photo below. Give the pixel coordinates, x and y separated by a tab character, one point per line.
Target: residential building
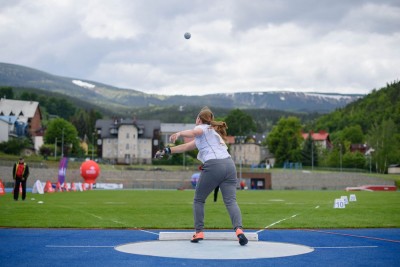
167	129
362	148
321	139
127	141
248	150
7	126
23	118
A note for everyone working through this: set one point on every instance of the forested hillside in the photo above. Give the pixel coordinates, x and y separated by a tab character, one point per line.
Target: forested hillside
373	122
264	118
376	107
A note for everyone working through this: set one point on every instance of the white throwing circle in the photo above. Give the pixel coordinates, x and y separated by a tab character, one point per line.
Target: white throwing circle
211	249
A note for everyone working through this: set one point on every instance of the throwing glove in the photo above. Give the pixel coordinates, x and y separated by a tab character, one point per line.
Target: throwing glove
160	153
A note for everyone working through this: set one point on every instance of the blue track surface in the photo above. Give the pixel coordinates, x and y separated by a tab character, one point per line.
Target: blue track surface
48	247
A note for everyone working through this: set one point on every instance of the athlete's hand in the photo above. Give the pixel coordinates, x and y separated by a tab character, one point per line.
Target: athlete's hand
159	154
173	137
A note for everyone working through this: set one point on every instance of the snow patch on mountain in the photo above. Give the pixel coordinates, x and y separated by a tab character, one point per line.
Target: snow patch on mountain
331	96
83	84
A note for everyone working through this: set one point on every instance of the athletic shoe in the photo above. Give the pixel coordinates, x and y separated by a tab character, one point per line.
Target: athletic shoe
242	238
197	237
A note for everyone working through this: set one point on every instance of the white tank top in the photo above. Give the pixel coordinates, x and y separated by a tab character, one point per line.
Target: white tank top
210	144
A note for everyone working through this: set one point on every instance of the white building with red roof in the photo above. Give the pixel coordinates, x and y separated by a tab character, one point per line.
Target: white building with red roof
320	138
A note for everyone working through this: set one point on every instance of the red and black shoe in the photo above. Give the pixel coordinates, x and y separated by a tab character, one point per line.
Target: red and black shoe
197	237
241	237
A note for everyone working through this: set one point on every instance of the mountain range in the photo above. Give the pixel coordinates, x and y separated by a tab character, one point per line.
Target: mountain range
112	97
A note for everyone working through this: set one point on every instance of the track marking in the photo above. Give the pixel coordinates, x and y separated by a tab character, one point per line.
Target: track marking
85	212
359	236
115	203
56	246
272	224
349	247
114	221
94	215
153	233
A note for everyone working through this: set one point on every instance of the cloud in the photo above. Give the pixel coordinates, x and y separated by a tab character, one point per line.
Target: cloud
322	46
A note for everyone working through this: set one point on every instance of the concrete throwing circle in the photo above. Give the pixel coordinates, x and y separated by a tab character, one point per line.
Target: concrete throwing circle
210	249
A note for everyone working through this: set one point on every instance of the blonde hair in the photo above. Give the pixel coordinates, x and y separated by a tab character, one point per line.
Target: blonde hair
206	116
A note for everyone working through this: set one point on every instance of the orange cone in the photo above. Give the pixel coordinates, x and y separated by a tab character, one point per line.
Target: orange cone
65	187
2	189
48	188
73	186
58	187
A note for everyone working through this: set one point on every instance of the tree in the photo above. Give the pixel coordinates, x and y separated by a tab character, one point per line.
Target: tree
187	158
309	153
65	133
60	107
354	160
6	92
354	134
85	121
15	146
46	150
383	138
240	123
285	139
28	96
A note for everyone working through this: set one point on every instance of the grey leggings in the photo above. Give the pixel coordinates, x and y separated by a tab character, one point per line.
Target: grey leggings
222	173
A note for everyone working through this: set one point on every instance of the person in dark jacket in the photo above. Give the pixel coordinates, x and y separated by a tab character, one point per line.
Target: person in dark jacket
20	175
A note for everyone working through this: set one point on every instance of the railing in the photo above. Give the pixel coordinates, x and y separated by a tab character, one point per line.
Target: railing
39	165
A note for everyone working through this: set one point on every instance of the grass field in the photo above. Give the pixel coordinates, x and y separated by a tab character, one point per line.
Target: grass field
172	209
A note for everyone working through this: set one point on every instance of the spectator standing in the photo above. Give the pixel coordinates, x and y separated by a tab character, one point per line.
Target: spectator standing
20	175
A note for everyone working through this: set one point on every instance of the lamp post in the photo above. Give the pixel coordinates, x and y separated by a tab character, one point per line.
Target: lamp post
370	168
62	144
312	154
370	159
93	146
240	169
340	156
55	149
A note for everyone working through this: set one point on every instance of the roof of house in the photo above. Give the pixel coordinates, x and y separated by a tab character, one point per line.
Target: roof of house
147	127
104	126
8	119
20	108
229	139
176	127
320	136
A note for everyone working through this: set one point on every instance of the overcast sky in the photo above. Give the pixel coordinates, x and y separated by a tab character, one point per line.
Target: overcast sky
340	46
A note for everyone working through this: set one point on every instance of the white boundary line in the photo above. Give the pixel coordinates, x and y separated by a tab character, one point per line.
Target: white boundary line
272	224
55	246
148	232
350	247
284	219
80	246
351	235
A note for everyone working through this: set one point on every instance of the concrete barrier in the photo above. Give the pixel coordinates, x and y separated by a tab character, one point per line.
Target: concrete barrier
140	179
